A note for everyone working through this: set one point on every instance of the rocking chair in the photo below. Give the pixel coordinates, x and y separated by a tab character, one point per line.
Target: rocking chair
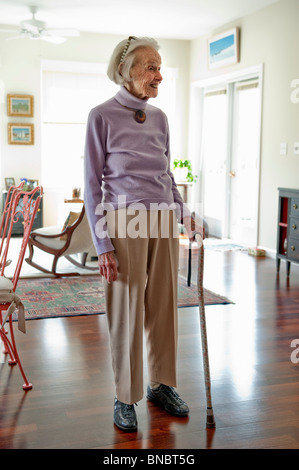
74	239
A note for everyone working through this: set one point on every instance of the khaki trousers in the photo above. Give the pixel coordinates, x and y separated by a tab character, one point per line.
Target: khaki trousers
143	299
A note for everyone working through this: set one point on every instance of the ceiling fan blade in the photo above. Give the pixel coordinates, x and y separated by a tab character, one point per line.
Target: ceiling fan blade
36	29
64	32
53	39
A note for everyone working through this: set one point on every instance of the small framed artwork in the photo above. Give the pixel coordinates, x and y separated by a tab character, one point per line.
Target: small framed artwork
33	183
20	105
21	134
9	182
223	49
29	185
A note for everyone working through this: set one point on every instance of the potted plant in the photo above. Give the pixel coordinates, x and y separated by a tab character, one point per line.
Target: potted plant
184	170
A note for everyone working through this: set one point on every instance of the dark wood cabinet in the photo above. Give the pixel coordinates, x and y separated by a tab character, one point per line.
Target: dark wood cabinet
18	226
288	227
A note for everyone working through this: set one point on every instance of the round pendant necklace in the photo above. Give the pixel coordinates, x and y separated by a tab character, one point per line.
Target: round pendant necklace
140	115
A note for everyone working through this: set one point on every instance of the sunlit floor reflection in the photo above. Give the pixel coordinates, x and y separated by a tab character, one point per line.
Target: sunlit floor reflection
234	333
55	339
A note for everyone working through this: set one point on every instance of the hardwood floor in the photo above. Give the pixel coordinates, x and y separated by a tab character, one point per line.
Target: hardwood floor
254	382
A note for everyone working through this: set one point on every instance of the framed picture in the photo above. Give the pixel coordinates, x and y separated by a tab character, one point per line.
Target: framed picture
29	185
223	49
21	134
9	182
20	105
34	183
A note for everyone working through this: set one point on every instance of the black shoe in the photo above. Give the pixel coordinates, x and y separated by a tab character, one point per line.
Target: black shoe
168	399
124	416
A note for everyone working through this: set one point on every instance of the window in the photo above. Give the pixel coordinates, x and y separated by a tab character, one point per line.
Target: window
70	91
68	96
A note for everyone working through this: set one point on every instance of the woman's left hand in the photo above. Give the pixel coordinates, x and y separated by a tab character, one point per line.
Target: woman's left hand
192	228
108	266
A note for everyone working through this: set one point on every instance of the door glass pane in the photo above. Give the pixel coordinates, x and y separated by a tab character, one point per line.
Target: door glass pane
245	151
214	160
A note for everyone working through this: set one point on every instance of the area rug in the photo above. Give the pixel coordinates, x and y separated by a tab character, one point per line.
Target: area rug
223	244
84	295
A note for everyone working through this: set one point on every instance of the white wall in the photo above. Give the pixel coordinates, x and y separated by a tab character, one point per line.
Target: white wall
20	70
271	37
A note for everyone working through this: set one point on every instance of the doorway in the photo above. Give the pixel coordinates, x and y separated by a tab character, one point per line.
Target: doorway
230	154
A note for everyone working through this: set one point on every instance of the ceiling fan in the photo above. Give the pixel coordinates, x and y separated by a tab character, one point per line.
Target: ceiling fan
36	29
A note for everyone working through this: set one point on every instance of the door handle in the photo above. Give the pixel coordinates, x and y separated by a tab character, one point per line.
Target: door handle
232	174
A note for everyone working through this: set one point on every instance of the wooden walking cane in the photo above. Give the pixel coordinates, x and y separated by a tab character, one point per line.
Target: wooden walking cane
210	423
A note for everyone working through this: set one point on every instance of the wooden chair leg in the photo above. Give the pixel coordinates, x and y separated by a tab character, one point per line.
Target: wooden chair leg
37	266
31	252
84	258
54	264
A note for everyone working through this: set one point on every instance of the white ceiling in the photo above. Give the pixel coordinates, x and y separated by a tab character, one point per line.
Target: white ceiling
174	19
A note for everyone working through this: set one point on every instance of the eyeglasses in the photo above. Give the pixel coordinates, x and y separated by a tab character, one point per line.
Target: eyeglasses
126	48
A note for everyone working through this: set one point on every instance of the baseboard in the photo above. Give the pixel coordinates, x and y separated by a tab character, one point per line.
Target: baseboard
269	251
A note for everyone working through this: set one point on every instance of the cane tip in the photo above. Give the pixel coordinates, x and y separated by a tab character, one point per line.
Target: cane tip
211	423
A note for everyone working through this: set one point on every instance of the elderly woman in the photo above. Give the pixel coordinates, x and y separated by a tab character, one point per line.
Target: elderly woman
133	204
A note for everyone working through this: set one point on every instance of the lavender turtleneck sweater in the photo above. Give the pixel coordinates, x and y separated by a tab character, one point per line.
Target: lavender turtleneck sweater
126	161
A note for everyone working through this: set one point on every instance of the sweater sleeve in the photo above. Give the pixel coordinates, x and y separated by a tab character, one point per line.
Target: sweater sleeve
94	163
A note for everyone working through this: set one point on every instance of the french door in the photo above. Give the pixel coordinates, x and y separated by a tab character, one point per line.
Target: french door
230	159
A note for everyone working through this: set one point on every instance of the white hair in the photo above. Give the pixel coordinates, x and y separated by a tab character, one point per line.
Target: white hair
125	53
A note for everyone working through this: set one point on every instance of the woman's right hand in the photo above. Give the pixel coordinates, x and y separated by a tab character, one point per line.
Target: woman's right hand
108	266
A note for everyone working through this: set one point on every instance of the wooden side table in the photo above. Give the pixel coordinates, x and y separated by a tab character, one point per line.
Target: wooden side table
75	200
184	189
